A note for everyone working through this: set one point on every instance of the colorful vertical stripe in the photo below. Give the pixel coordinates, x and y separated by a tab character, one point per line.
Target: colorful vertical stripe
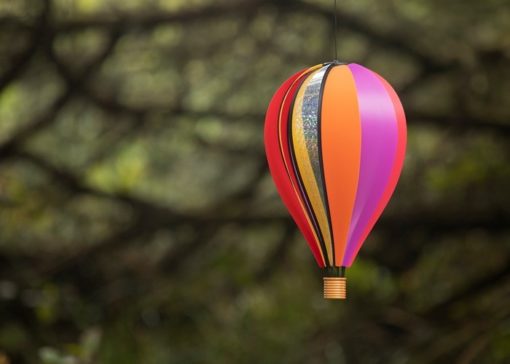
335	138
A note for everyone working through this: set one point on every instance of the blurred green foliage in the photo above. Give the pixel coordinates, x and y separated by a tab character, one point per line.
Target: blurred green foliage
138	221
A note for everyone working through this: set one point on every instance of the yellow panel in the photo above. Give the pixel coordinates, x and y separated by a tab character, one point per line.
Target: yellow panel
305	168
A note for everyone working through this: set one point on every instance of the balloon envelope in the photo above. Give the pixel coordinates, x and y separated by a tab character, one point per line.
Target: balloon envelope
335	138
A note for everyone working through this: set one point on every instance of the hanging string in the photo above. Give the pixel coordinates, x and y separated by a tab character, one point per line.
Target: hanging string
334	31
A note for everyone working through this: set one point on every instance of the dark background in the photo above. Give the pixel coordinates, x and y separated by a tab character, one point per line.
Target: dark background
138	221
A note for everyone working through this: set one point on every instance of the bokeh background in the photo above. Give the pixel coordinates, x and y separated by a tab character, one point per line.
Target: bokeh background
138	221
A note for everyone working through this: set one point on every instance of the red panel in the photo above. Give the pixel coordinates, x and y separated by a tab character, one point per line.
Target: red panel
280	163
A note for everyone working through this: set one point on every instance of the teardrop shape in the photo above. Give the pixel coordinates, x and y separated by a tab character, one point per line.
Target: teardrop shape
335	138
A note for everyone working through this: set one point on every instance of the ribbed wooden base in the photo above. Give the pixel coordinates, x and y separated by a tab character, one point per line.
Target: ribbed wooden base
335	288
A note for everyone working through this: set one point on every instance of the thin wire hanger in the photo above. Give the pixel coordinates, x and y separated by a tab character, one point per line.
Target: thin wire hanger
334	31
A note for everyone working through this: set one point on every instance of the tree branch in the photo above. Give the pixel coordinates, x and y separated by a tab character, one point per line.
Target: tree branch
150	21
37	34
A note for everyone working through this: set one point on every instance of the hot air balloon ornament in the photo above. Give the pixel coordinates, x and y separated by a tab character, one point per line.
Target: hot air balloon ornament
335	139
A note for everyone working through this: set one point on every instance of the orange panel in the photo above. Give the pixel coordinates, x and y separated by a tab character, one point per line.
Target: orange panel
341	152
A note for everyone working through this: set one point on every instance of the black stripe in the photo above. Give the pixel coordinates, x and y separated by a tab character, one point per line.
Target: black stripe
300	179
303	77
334	271
334	63
321	162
